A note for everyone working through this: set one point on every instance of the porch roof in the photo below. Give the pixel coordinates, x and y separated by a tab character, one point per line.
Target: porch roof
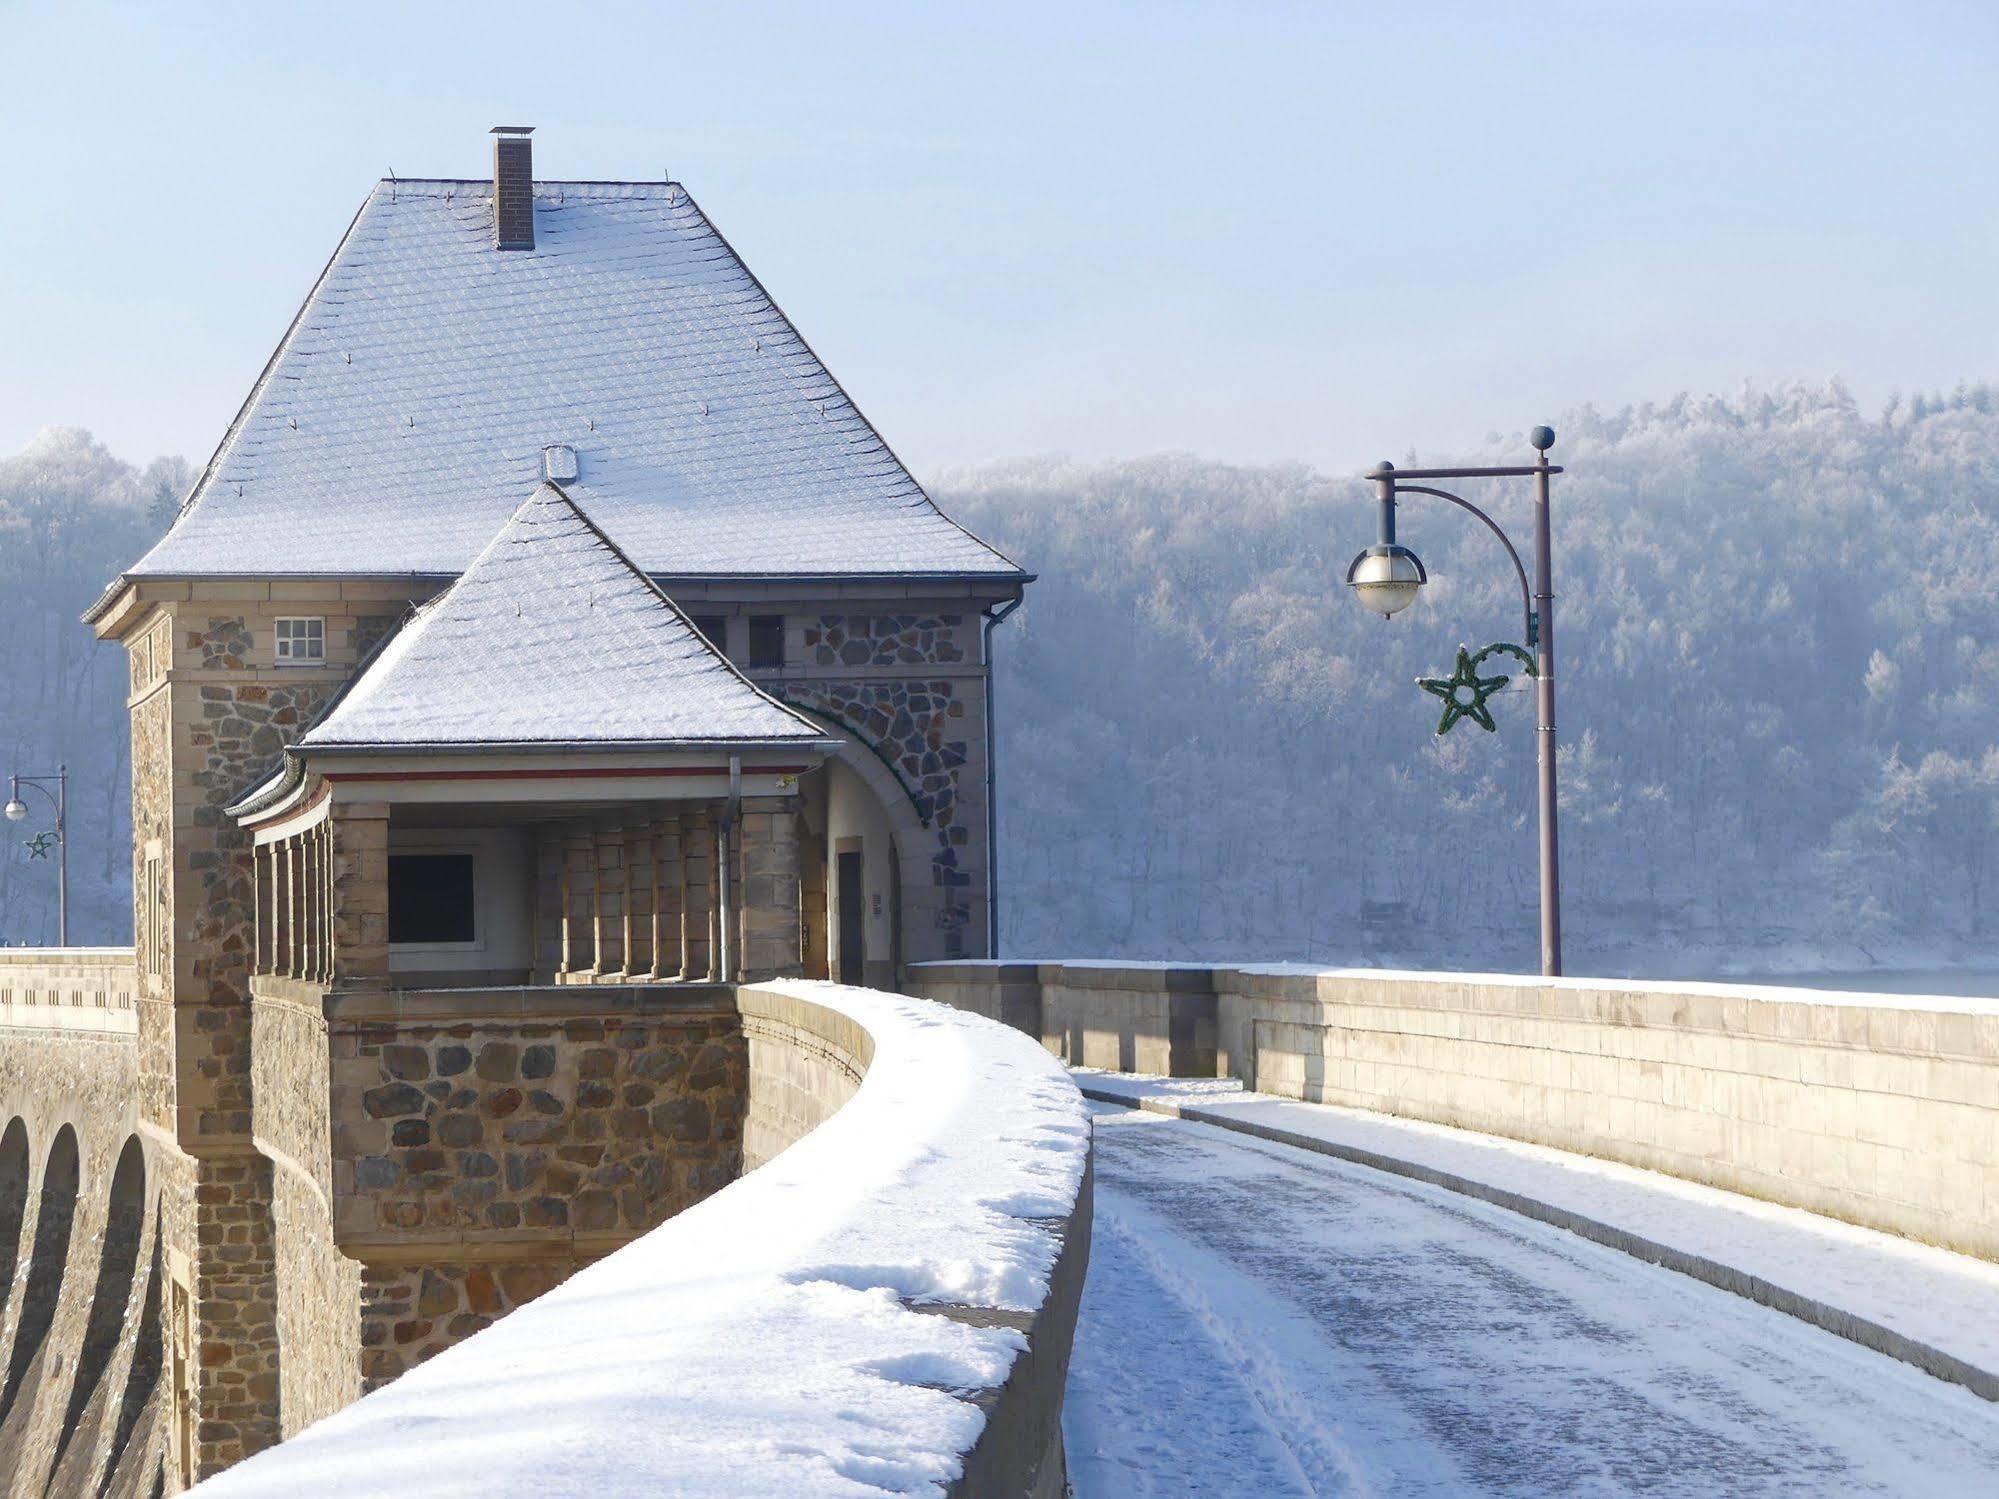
552	639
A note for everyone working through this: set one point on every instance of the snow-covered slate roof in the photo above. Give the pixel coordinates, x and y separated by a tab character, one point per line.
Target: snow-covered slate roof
427	372
552	637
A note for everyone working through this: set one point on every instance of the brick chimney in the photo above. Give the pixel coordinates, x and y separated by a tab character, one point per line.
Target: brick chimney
513	187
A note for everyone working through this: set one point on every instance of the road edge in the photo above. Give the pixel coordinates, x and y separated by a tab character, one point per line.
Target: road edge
1856	1329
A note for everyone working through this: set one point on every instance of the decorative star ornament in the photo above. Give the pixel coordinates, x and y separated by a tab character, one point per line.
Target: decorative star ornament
40	844
1464	693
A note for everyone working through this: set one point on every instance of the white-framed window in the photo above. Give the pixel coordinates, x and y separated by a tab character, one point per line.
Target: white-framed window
301	641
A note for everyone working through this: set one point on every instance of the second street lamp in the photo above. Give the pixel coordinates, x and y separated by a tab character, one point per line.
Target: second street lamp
1386	578
16	810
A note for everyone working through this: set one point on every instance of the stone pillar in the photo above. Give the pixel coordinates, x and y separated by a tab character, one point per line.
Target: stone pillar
639	895
697	858
769	884
265	948
669	900
579	903
288	890
609	843
812	913
315	905
325	832
360	894
549	890
235	1289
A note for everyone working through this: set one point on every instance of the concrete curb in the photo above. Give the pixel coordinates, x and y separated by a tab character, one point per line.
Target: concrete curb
1932	1360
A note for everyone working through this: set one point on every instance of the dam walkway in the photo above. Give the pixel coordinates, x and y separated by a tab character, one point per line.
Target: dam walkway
1261	1319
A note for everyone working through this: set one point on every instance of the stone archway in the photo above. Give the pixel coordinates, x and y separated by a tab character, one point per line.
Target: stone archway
14	1181
913	843
110	1303
41	1299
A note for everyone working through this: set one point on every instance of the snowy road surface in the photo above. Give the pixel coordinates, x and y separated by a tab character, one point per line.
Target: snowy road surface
1260	1320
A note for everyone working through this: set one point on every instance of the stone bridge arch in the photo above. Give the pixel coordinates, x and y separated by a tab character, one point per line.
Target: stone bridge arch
86	1276
29	1362
85	1414
16	1172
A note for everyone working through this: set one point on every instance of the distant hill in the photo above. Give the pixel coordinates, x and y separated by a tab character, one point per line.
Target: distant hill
71	516
1777	676
1778	692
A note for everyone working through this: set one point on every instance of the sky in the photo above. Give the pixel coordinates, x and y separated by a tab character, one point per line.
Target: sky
1254	232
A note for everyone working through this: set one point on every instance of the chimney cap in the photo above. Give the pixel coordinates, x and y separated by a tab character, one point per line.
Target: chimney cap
511	130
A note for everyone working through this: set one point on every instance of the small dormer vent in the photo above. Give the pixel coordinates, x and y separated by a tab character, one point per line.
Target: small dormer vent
558	462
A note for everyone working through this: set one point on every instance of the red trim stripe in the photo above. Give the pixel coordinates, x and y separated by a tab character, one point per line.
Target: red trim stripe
596	772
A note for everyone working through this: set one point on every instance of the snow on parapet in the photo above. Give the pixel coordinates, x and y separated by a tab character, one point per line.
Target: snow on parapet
763	1341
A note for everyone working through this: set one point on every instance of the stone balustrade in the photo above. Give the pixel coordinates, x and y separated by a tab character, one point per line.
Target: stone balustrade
1882	1110
885	1299
67	987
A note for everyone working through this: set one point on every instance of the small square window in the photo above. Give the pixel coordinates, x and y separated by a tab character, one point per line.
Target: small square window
766	641
431	899
300	640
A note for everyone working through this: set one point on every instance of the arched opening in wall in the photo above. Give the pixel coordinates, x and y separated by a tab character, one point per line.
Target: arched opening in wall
904	870
863	914
133	1466
124	1227
13	1204
54	1220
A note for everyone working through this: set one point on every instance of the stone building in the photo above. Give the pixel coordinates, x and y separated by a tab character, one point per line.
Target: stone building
549	644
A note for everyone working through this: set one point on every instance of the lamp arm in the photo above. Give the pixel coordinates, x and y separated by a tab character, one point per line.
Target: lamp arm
1519	570
15	783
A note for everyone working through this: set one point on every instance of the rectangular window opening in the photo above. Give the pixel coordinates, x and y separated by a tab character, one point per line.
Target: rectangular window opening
766	641
430	899
301	640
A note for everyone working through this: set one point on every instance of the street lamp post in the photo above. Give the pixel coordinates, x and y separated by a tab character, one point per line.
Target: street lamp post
1386	578
16	810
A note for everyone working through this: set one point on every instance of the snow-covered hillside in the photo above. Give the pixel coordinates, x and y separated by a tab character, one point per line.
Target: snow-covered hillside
1778	687
1779	696
71	515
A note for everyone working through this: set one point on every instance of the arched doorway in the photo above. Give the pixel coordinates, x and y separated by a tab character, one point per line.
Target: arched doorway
859	838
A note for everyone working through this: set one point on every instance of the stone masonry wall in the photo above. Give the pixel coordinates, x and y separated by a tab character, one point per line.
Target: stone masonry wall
211	712
885	639
232	738
479	1161
318	1307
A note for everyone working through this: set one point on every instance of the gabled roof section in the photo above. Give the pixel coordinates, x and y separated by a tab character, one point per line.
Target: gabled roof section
427	372
552	637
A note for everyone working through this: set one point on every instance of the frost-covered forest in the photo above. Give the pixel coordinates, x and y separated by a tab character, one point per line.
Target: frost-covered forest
1777	676
1778	682
71	516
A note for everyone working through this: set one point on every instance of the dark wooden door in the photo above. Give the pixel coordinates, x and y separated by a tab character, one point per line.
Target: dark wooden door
853	922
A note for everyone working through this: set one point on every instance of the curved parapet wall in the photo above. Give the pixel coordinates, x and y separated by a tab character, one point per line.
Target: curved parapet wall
84	1283
1880	1109
886	1303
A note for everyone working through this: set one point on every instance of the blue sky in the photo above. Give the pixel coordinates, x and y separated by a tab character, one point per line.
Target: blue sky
1255	232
